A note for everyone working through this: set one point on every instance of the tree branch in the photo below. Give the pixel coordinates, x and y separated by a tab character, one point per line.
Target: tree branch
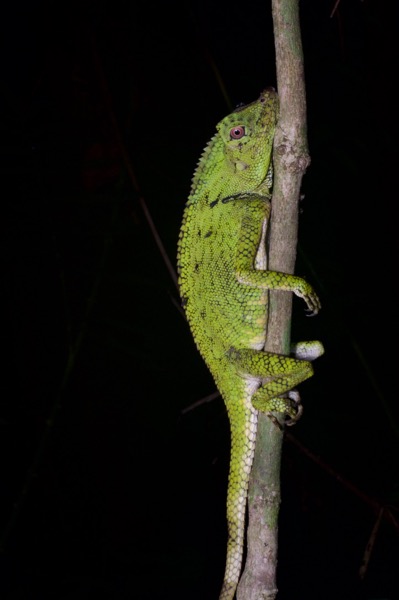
290	162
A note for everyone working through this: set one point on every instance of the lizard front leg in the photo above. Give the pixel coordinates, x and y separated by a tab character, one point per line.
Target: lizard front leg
252	236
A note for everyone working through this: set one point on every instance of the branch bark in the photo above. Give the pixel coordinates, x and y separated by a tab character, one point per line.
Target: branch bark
259	581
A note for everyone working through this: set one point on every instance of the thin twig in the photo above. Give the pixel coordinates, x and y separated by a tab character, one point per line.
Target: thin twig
374	504
370	545
203	400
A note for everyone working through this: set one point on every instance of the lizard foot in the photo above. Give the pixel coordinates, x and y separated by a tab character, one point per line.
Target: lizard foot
290	407
297	408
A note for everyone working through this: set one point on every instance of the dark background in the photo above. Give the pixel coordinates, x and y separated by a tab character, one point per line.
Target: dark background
109	488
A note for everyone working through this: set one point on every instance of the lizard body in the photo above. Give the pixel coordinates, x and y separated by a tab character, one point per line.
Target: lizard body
224	284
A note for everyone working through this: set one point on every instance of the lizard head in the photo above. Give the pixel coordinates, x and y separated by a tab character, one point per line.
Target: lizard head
238	157
247	136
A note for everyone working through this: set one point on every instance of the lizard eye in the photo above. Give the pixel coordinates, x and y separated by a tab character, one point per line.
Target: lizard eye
237	132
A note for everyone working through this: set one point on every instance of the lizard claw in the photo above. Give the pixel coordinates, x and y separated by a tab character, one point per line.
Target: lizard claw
294	412
296	399
275	421
305	291
313	305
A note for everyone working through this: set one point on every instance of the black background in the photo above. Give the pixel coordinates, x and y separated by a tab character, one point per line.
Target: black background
109	488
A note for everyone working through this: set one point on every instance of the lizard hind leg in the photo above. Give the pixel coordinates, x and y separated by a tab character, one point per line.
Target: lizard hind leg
289	405
278	374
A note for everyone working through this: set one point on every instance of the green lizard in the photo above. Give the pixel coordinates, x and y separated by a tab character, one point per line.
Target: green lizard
224	283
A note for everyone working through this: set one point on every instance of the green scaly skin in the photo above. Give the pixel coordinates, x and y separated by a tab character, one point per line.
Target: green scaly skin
224	285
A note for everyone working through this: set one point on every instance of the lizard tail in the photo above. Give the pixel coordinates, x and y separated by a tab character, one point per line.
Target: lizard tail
243	423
